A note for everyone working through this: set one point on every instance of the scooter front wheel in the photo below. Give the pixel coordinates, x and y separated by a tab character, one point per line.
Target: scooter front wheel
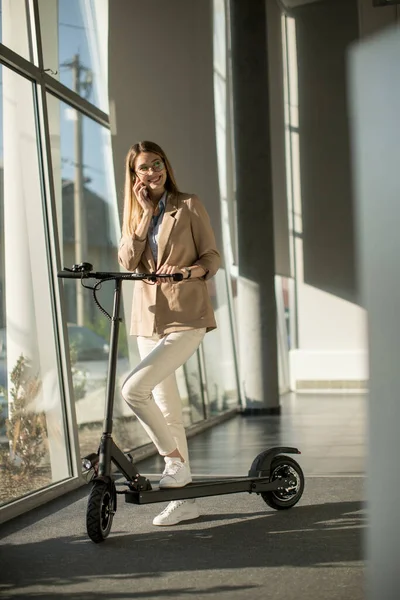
100	510
284	467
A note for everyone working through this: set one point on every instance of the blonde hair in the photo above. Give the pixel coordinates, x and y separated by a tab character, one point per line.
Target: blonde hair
132	209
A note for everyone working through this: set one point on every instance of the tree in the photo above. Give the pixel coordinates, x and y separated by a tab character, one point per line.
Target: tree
26	429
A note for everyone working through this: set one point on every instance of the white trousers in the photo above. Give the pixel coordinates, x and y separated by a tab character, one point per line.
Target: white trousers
151	389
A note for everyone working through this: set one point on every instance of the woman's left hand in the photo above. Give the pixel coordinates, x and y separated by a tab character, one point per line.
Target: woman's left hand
170	270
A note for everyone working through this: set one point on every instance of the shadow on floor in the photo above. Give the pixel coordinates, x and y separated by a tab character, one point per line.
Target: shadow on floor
321	535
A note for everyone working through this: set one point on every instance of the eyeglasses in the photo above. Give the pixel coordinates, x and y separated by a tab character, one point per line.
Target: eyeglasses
156	166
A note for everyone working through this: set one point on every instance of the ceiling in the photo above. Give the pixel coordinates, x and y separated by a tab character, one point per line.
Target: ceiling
294	3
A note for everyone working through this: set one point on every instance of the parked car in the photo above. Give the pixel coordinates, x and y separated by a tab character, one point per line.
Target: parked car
86	344
3	385
3	341
89	354
3	412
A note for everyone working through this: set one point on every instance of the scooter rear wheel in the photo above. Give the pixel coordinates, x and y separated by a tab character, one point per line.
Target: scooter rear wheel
100	511
286	468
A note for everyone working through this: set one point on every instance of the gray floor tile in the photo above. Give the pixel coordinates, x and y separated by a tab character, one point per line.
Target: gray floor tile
329	430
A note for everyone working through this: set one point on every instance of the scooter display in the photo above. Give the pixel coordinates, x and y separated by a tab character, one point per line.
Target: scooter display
277	478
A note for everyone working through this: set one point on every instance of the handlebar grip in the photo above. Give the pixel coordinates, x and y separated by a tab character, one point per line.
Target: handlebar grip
174	276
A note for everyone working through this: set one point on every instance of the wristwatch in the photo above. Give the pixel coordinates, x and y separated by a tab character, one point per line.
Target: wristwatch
188	271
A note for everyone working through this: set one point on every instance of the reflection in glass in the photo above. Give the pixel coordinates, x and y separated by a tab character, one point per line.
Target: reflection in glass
184	394
219	353
75	46
14	26
34	450
194	388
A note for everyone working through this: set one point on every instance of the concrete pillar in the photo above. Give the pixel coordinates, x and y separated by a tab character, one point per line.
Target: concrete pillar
375	100
278	126
256	288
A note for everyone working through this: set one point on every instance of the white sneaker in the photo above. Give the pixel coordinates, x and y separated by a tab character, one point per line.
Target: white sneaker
176	474
177	511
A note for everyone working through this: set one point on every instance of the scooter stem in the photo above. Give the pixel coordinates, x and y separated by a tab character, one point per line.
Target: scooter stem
112	359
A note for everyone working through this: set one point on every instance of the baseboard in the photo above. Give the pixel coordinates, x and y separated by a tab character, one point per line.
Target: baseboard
274	410
335	384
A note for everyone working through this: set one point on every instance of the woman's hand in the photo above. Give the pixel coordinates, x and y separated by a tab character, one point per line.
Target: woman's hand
170	270
142	195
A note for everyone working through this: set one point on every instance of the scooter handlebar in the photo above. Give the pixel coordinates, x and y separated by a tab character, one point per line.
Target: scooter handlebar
100	275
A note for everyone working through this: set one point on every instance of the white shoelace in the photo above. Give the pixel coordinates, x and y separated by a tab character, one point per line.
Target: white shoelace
172	506
172	467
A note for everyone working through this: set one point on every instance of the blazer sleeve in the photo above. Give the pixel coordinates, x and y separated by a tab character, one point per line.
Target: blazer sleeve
130	252
208	256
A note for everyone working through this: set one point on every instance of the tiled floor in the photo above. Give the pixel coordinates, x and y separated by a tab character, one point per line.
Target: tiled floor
239	547
329	430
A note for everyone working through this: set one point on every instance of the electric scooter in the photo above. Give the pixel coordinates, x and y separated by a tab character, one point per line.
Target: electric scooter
278	479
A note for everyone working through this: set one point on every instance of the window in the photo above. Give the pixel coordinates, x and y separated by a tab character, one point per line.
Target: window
75	44
34	443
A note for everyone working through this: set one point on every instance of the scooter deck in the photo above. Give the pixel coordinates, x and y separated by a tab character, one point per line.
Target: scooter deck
210	488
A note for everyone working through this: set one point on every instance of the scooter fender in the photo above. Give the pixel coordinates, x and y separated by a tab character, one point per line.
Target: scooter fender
261	466
109	481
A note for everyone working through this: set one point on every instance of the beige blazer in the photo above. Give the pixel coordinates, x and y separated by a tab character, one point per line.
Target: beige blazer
185	239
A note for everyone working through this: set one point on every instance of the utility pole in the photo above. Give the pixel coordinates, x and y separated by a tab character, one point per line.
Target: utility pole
80	221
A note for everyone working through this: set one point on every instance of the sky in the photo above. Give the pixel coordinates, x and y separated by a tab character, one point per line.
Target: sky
73	40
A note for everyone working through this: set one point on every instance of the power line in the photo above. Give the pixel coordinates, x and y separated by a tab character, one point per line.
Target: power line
72	26
71	162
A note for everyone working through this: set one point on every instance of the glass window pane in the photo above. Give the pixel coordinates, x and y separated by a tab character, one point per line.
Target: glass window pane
14	26
185	396
84	186
33	441
75	46
194	384
219	354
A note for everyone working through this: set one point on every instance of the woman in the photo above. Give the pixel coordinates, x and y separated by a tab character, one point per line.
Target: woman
165	231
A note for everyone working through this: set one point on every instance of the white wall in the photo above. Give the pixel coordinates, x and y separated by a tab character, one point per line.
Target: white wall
332	339
161	89
332	342
332	349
